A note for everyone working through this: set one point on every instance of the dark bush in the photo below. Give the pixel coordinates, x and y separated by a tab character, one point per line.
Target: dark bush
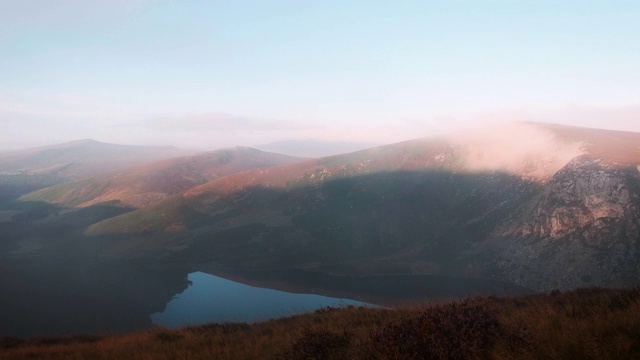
319	344
622	299
10	342
459	330
167	336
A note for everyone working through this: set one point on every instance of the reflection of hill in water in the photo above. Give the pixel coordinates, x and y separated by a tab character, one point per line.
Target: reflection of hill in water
215	299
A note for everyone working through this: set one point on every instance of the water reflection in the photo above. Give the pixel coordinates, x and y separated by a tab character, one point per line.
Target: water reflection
215	299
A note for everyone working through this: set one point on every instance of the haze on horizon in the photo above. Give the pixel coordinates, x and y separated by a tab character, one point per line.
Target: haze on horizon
222	73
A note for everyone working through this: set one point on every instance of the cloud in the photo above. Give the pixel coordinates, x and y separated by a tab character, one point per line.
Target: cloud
516	148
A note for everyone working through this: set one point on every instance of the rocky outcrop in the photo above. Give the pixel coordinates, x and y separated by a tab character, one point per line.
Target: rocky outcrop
582	194
583	229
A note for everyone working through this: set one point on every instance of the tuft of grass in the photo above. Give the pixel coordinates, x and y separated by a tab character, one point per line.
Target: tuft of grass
581	324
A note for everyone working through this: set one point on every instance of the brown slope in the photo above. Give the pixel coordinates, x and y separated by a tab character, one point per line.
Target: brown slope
146	185
417	154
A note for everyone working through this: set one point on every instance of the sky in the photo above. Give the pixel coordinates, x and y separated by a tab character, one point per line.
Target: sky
211	74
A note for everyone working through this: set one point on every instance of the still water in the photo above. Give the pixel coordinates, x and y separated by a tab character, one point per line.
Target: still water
215	299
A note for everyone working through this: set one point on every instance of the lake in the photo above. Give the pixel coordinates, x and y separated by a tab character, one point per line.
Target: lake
214	299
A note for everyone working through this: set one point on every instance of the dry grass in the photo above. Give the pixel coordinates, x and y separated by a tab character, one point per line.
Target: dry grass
582	324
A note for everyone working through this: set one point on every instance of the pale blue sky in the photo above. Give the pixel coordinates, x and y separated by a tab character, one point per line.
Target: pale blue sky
210	74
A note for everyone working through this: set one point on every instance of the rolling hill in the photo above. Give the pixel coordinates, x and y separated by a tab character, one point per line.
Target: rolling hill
148	184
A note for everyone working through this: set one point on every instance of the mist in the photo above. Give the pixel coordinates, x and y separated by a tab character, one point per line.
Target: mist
523	149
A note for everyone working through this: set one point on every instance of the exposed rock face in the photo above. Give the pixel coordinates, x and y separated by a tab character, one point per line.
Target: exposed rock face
583	193
584	229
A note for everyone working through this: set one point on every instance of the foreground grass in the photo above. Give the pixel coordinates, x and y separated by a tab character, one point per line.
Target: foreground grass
581	324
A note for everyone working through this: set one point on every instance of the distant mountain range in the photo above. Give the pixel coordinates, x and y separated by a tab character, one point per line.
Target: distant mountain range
538	205
27	170
82	158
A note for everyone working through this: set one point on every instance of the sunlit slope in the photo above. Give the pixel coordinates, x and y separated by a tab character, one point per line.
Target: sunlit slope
146	185
429	206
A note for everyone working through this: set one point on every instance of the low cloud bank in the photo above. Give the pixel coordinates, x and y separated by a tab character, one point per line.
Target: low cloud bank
527	150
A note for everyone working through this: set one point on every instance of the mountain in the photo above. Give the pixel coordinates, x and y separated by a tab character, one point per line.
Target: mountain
539	205
314	148
148	184
27	170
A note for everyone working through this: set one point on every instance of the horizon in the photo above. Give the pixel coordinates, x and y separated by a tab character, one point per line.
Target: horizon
214	75
471	131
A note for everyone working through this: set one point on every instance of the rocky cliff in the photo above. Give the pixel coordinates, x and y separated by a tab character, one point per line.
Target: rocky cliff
583	229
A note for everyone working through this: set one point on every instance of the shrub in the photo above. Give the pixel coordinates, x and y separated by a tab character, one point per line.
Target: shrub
459	330
10	342
167	336
319	344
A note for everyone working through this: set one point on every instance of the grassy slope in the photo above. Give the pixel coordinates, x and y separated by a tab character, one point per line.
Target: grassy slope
582	324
